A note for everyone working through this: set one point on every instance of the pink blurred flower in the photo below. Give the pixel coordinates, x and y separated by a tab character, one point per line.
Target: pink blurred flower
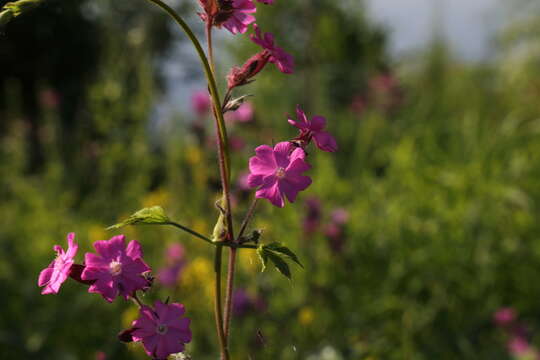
117	269
200	102
243	114
57	272
243	183
174	255
162	331
100	355
49	98
234	15
278	172
314	129
339	216
518	346
236	143
283	61
243	302
505	316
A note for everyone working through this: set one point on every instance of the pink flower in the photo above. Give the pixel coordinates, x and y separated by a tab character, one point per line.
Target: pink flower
243	114
283	61
518	346
162	331
174	256
505	316
117	269
313	216
200	102
235	15
243	75
278	172
314	129
57	272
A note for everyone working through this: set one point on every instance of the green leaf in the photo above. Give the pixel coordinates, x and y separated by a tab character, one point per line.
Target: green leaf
153	215
280	264
262	256
280	248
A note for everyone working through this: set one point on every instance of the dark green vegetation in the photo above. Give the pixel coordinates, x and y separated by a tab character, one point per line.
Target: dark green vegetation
439	171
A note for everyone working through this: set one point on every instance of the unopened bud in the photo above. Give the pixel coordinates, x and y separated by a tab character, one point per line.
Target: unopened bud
234	104
242	76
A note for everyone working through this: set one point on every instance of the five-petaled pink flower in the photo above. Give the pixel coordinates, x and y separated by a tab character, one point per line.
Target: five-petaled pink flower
162	331
116	269
278	172
314	129
58	271
283	61
237	17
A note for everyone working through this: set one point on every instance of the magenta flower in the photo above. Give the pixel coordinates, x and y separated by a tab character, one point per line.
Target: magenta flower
505	316
200	102
174	256
116	269
162	331
283	61
518	346
314	129
312	218
236	13
278	172
57	272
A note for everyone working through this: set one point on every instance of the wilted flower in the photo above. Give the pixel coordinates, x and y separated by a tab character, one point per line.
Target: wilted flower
116	269
278	172
57	272
239	76
283	61
162	331
314	129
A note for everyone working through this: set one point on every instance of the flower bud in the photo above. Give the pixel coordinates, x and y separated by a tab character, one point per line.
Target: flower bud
242	76
5	17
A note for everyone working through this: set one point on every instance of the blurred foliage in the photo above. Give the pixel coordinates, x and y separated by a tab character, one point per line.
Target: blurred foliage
438	169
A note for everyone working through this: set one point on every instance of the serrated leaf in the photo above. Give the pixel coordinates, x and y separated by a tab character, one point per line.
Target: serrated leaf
262	256
280	264
153	215
280	248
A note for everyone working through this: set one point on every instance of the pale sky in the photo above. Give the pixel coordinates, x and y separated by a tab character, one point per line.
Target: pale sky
467	24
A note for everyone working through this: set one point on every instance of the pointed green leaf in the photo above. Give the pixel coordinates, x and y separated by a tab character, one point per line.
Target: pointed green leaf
153	215
280	248
280	264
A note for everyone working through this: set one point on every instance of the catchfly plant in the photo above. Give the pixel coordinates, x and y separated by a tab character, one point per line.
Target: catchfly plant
117	269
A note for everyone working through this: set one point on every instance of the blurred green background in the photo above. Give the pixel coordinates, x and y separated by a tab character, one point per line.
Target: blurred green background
438	173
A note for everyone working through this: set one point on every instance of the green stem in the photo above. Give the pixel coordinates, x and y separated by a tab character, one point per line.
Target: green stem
192	232
217	304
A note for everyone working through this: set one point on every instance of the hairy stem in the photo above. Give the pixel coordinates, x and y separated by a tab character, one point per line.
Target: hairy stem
217	305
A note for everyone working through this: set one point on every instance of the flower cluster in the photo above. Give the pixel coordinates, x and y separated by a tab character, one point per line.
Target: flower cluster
278	172
518	344
116	270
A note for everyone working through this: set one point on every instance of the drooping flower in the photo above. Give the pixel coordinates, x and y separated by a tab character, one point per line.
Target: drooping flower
314	129
57	272
200	102
278	172
163	330
234	15
116	269
278	56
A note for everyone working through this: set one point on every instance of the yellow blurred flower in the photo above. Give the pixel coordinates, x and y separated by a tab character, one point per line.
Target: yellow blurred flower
159	197
199	275
306	316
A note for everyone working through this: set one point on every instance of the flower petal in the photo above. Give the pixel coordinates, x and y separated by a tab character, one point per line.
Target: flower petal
325	141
